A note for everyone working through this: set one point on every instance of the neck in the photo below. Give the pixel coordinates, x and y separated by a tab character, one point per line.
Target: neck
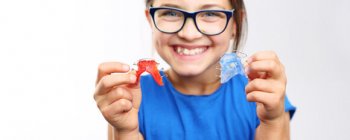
203	84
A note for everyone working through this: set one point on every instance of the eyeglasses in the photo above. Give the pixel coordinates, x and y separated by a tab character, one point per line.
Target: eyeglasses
208	22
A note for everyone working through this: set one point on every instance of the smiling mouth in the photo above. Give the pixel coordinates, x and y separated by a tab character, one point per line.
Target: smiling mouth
190	51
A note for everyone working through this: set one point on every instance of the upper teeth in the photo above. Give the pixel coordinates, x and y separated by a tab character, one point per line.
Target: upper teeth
185	51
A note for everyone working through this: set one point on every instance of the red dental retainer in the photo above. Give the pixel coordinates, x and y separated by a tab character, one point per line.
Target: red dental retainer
149	66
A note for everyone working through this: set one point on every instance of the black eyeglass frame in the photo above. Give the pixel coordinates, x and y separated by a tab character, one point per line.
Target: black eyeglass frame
228	13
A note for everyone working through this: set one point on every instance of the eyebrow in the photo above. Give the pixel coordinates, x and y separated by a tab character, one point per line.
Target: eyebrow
170	5
207	6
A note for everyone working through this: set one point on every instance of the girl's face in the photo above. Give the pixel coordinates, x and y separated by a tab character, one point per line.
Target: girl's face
189	52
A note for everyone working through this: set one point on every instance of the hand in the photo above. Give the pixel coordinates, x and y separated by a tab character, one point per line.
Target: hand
267	85
117	96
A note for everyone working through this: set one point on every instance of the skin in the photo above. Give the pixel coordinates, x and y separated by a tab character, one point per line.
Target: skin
118	96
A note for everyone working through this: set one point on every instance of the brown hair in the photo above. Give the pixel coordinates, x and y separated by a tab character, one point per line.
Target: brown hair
240	16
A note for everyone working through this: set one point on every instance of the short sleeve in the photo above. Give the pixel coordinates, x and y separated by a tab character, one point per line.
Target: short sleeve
288	107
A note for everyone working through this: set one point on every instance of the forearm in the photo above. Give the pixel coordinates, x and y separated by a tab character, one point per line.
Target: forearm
277	130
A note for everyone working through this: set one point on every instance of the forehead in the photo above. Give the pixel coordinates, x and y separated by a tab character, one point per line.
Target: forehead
193	5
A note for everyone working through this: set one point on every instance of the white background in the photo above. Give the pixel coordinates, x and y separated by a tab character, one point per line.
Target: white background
50	50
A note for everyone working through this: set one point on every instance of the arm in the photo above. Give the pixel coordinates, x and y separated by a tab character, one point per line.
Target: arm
266	87
278	130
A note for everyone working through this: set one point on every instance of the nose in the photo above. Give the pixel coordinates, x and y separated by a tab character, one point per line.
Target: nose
189	31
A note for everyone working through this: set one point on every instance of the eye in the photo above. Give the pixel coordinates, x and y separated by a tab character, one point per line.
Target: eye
170	13
210	14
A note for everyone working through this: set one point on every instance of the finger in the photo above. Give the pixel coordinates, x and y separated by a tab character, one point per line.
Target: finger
116	108
261	85
267	99
253	74
264	69
110	67
263	55
116	94
110	81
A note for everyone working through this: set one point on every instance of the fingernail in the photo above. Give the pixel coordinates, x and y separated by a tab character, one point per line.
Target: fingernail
249	60
132	78
246	70
125	67
245	64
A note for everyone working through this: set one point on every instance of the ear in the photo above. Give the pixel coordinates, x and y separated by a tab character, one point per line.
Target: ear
149	18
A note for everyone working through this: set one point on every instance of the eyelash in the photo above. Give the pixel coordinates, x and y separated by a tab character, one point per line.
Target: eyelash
211	14
169	13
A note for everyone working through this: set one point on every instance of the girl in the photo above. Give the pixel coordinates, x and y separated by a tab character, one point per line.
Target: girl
191	36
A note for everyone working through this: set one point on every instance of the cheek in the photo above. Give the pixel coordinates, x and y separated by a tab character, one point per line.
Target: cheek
157	39
222	41
160	41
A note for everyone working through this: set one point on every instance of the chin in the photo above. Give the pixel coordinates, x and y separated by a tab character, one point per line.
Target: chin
188	71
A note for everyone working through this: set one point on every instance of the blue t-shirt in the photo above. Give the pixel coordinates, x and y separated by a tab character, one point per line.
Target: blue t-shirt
167	114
